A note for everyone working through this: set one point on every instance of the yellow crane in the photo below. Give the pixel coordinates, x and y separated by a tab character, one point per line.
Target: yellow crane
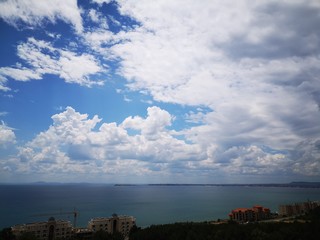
74	213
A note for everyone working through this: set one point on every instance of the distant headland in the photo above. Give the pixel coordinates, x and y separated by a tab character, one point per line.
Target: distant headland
292	184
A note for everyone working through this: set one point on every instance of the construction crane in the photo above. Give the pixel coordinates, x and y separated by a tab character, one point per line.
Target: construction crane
74	213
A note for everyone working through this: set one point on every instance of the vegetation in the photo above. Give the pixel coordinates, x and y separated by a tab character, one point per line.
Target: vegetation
306	227
204	231
102	235
6	234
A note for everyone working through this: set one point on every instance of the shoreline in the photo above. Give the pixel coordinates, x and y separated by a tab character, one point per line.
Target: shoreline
269	185
289	185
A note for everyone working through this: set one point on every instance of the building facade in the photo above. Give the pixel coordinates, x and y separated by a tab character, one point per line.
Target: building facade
297	208
256	213
121	224
60	229
50	230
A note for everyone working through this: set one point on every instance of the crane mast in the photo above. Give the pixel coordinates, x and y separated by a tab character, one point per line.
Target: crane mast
74	213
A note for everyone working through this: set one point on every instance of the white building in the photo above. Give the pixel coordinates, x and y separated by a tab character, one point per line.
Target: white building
121	224
297	208
50	230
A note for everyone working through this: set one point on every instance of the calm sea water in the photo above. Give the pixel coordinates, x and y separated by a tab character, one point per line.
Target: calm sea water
149	204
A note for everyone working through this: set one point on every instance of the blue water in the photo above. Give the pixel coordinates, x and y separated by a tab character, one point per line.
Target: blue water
149	204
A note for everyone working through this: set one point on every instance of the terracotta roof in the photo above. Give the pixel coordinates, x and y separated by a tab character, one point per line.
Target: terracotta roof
241	209
250	209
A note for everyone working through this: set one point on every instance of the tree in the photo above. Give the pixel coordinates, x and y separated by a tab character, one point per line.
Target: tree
103	235
27	236
6	234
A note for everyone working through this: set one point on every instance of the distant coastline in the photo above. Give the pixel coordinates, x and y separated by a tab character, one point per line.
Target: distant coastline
289	185
292	184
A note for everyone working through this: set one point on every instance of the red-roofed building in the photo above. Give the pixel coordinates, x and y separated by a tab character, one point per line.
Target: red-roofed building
256	213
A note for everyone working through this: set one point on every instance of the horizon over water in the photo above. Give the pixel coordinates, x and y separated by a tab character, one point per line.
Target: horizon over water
149	204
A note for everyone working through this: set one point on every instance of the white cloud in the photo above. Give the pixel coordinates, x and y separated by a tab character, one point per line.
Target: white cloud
42	58
195	117
93	14
233	58
73	143
71	72
7	136
253	160
181	56
155	123
255	65
34	12
306	157
98	18
3	82
139	146
19	74
100	2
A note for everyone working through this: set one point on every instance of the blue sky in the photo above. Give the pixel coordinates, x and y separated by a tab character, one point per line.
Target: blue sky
159	91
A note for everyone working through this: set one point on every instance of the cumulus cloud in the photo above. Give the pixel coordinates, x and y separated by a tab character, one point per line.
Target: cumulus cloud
306	157
43	58
7	135
76	143
79	144
34	13
155	123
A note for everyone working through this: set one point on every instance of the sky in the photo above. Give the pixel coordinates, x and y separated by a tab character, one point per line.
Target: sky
164	91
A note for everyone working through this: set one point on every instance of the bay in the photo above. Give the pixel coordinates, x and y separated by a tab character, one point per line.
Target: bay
149	204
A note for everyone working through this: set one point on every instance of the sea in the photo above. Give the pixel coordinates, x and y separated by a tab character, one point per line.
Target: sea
149	204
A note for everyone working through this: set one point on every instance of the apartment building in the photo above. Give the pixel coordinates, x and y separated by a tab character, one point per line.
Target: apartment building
50	230
121	224
297	208
60	229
